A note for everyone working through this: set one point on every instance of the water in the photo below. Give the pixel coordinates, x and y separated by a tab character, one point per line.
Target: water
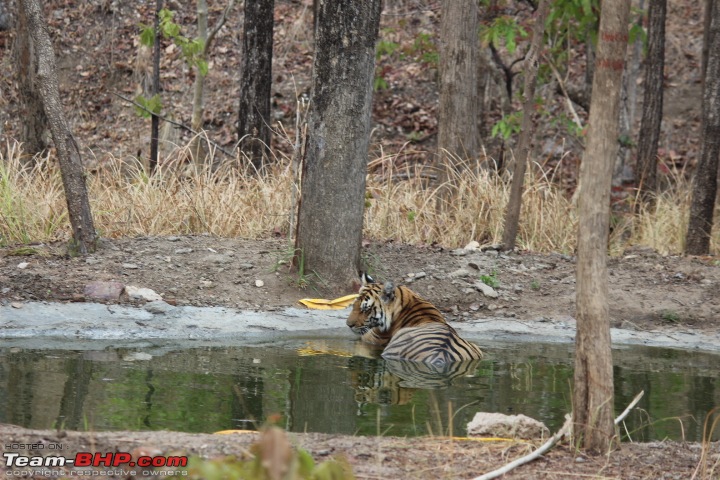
333	386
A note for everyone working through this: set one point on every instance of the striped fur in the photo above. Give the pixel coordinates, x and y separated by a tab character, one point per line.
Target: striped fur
410	327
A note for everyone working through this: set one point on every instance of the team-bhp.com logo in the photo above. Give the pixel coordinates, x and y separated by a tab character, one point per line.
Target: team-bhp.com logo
117	460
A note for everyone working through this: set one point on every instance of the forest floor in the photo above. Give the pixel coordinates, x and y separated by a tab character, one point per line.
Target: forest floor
98	56
649	292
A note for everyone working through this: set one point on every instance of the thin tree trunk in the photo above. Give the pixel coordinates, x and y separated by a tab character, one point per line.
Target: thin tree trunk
255	81
199	151
34	122
706	174
330	218
71	167
155	120
649	135
459	98
197	112
593	381
527	129
708	8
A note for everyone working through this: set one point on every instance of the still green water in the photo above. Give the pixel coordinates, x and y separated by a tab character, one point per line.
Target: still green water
330	386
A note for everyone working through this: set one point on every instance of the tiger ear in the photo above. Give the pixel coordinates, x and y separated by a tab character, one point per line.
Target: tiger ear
388	292
366	279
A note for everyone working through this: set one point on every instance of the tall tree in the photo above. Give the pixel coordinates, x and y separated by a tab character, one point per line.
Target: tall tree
593	378
71	167
34	122
255	81
458	135
652	101
155	119
705	181
532	60
330	217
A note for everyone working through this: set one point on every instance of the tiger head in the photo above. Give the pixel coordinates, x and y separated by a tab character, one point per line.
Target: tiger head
371	309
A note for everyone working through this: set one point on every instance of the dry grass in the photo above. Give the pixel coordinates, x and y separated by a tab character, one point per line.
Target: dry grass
126	202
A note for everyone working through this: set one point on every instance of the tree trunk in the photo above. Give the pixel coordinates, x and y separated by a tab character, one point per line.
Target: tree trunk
154	119
652	102
255	81
527	129
199	151
71	167
459	97
34	133
708	8
706	174
593	381
332	202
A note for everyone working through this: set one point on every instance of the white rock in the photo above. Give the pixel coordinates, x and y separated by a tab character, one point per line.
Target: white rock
472	246
506	426
486	290
259	283
138	293
22	265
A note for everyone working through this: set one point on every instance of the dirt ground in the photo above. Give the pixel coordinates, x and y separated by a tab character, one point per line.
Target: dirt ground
648	291
400	458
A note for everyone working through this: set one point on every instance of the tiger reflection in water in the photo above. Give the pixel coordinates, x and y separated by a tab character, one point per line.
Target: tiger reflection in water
421	351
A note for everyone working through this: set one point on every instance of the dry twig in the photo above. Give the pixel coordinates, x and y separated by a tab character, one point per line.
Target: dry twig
565	430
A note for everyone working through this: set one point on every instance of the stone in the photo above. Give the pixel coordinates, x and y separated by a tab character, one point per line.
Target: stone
472	246
459	273
158	307
180	251
259	283
130	266
22	265
486	290
103	291
486	424
138	293
246	266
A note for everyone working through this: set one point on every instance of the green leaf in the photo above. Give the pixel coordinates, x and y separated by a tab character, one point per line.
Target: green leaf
202	67
147	35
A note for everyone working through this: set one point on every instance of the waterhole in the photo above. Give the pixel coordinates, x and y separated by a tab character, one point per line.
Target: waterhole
336	386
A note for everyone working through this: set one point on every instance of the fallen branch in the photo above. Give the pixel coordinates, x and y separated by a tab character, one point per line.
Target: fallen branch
178	124
625	412
565	430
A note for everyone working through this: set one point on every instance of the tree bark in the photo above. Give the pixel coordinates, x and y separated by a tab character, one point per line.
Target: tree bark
459	97
649	135
332	202
593	380
706	174
71	167
154	119
255	81
34	122
198	151
527	129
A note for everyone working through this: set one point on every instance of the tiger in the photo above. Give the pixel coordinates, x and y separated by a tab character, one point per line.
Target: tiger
409	327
